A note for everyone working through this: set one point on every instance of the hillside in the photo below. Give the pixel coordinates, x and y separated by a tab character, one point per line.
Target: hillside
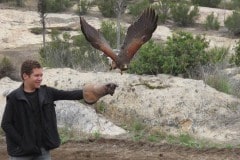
166	104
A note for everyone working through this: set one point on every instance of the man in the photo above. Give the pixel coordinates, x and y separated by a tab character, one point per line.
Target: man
29	119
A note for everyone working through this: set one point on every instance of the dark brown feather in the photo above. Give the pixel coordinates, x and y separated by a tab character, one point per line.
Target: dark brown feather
139	33
96	39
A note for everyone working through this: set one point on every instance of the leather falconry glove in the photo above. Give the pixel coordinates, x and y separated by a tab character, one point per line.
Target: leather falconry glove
93	92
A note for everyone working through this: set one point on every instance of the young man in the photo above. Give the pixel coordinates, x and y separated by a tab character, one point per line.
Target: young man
29	119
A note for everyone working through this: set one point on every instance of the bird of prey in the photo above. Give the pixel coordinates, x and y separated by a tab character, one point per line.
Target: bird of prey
138	33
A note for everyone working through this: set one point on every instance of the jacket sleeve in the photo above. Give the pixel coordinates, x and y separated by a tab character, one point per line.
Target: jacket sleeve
7	123
65	95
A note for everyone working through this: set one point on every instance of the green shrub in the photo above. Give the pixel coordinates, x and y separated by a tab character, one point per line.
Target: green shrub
233	22
83	6
88	58
163	9
211	72
53	6
68	134
138	129
108	29
106	7
230	5
96	134
76	52
236	4
183	15
149	59
217	60
211	22
57	52
36	30
226	5
109	8
137	8
219	82
235	58
217	55
187	52
18	3
79	54
182	53
206	3
6	68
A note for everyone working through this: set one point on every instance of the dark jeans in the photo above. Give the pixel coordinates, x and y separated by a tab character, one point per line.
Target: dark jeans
45	156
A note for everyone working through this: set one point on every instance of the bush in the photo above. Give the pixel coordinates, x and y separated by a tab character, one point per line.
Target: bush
56	53
137	8
188	52
163	8
183	15
217	55
106	7
181	54
149	59
206	3
83	6
219	82
86	57
236	57
6	68
57	5
18	3
217	60
236	4
108	29
230	4
76	52
211	22
64	53
36	30
233	22
109	8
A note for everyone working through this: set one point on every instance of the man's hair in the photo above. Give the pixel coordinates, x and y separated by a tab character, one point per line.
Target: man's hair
28	66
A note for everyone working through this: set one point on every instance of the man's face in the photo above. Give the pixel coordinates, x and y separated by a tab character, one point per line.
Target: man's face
33	80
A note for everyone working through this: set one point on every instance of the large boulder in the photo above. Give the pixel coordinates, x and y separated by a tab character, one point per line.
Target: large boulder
174	104
72	115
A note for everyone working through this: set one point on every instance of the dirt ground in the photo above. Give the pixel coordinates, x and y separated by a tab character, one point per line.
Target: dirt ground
119	149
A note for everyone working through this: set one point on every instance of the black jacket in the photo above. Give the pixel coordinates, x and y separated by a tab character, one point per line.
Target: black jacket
18	125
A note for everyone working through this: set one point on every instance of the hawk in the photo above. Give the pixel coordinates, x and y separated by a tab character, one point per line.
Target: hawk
138	33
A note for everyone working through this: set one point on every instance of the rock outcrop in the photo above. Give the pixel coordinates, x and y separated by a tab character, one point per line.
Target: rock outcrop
172	104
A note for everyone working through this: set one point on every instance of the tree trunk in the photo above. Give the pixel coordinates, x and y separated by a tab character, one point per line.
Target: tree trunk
42	11
119	9
44	31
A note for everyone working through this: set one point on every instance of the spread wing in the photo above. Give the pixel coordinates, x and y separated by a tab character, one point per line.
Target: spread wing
96	39
139	33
